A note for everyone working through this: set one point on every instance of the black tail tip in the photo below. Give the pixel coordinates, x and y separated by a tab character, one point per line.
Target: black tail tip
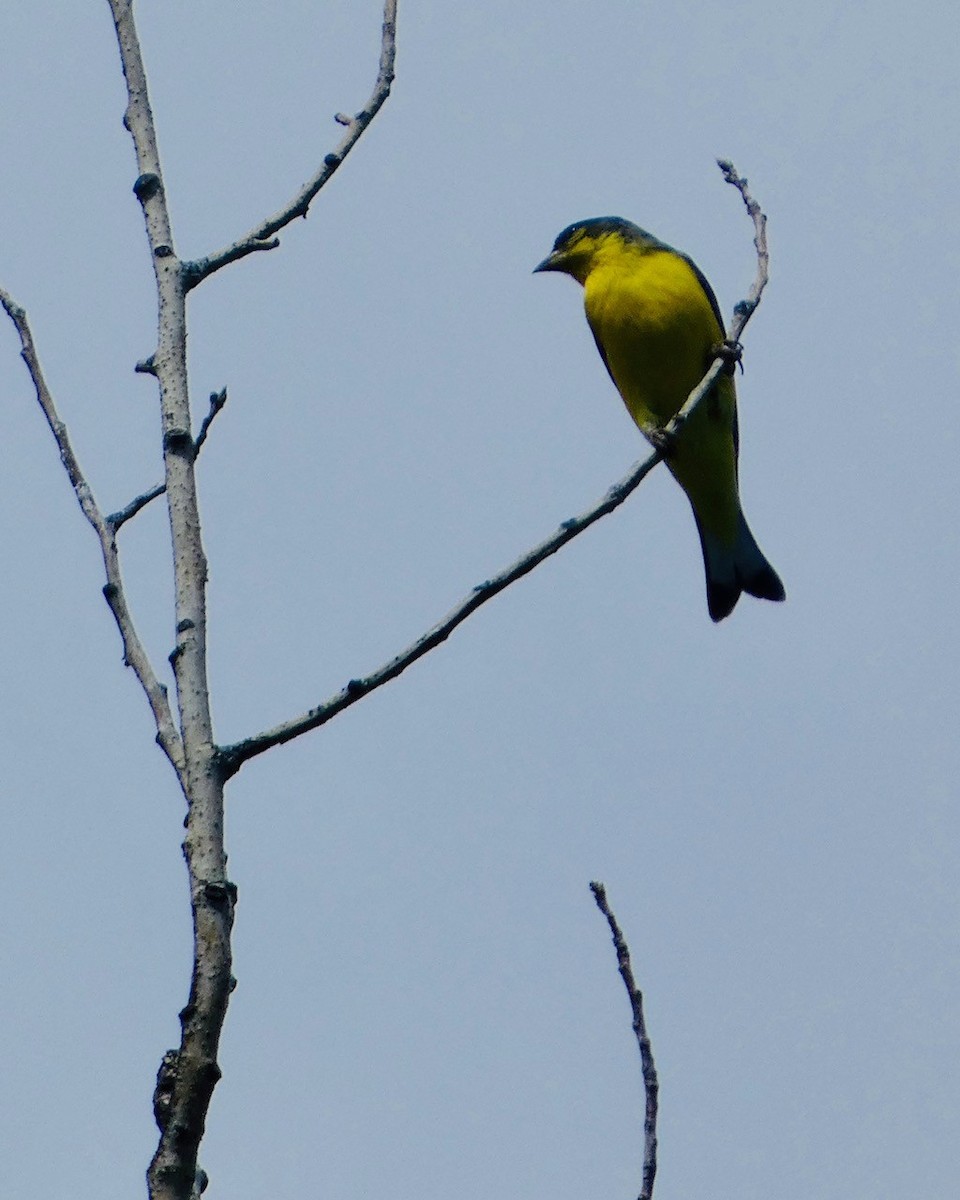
722	597
765	585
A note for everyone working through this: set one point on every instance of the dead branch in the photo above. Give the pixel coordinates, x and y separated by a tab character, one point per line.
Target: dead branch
134	654
261	236
651	1085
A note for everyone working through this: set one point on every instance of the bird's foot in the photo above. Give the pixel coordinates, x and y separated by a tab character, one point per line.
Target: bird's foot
661	441
731	353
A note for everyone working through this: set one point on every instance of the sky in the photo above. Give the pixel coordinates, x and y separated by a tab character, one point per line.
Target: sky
427	999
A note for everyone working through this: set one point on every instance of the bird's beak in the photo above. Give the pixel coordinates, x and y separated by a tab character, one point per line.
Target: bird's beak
552	262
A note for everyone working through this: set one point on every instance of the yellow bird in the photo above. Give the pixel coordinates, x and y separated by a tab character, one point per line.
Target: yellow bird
657	326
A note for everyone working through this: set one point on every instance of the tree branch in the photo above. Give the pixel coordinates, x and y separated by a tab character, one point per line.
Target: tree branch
233	757
134	655
651	1085
745	309
117	519
189	1074
260	237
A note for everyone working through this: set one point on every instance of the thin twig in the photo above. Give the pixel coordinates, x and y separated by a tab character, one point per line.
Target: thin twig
134	655
745	309
233	757
261	237
137	504
651	1085
217	401
116	519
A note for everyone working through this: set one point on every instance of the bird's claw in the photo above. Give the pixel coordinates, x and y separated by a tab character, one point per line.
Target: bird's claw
660	440
731	353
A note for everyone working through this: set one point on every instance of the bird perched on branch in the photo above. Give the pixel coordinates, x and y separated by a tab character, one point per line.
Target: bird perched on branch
658	327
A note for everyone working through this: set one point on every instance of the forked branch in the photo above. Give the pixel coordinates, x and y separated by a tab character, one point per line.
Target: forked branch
117	519
188	1074
233	757
134	655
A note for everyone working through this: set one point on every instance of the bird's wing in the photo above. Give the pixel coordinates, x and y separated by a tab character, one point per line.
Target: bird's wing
736	441
601	351
707	291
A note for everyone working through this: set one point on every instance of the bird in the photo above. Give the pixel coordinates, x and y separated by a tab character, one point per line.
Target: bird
658	327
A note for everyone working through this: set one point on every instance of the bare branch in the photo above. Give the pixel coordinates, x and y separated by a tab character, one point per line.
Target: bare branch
261	237
116	519
745	309
137	504
651	1085
190	1073
234	756
217	401
134	655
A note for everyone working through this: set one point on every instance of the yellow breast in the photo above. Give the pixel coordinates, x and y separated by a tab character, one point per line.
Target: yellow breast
655	327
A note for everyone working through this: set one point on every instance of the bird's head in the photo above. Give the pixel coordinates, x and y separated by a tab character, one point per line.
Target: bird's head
584	244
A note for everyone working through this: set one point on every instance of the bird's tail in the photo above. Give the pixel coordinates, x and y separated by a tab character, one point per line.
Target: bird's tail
736	568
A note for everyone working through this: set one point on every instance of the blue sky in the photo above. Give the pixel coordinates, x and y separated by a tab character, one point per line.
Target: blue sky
427	999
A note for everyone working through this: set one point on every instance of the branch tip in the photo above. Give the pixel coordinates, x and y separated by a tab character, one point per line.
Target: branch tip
651	1084
117	519
298	206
